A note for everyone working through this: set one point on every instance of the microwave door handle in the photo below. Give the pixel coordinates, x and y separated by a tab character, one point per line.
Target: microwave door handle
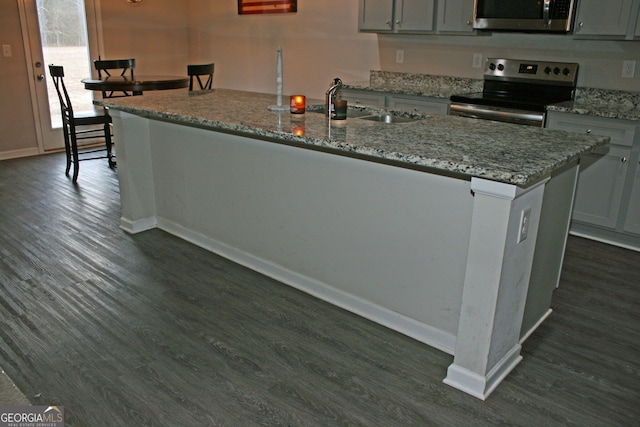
546	13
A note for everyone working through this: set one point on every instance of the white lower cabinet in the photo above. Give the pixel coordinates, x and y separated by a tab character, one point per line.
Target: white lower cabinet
632	221
607	202
600	186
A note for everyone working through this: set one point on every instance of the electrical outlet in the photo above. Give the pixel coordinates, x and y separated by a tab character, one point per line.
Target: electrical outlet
6	50
477	60
628	69
399	56
523	229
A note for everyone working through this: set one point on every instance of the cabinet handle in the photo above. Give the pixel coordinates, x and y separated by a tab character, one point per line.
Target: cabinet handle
468	22
581	24
623	160
388	23
588	131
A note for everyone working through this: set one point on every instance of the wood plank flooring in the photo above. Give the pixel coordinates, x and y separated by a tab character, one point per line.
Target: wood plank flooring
149	330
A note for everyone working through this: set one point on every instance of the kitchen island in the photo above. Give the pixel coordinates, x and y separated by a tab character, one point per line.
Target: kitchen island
446	229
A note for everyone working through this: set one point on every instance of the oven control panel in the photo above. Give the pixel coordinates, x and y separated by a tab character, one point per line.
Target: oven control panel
564	73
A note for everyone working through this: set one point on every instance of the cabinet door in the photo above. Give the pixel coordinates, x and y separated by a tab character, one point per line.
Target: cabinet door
608	19
455	16
356	97
419	105
414	15
600	184
375	15
603	173
632	221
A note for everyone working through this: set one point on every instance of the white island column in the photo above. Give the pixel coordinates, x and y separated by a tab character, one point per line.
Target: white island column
135	172
495	287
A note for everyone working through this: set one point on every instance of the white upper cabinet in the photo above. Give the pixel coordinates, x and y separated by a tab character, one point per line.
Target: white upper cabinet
375	15
455	16
613	19
396	16
414	15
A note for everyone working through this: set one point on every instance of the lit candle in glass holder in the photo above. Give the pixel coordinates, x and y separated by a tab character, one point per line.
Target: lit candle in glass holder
298	103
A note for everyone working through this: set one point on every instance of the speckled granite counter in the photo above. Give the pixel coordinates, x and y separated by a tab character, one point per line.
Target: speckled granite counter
615	104
417	84
513	154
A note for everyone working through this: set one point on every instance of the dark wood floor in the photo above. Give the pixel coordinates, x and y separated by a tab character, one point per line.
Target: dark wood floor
149	330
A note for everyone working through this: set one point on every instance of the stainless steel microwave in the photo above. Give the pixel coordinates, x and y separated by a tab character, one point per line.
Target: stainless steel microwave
524	15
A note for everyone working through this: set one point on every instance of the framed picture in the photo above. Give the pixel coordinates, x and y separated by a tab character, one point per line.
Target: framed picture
246	7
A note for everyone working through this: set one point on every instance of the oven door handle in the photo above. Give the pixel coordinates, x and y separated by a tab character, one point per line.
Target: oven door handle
510	116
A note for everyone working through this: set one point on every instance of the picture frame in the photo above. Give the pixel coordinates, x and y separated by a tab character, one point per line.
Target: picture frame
253	7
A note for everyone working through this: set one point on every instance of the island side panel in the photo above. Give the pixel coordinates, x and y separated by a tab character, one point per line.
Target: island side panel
385	242
496	283
135	175
553	231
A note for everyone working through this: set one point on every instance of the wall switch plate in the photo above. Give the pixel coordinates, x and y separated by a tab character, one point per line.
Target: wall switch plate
477	60
399	56
628	69
6	50
525	219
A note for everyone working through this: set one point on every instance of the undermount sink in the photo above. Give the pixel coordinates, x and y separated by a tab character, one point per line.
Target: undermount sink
370	115
351	114
388	118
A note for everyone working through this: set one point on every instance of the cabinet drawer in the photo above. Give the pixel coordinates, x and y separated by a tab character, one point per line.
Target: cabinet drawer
620	132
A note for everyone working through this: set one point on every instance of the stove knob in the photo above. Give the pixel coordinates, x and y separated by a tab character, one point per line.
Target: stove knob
500	67
492	66
547	70
566	71
556	71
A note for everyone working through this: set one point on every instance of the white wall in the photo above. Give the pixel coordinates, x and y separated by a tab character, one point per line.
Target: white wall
154	32
319	42
17	126
600	61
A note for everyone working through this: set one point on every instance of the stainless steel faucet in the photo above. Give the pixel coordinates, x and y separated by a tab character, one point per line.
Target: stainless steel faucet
331	93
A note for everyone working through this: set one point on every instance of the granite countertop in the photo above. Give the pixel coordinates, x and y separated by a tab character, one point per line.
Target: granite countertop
417	84
514	154
615	104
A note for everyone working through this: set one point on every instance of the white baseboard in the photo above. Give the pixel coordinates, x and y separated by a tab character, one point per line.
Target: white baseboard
15	154
481	386
137	226
602	239
534	327
431	336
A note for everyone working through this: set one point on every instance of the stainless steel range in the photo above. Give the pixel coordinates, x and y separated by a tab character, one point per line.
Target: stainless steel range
518	91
